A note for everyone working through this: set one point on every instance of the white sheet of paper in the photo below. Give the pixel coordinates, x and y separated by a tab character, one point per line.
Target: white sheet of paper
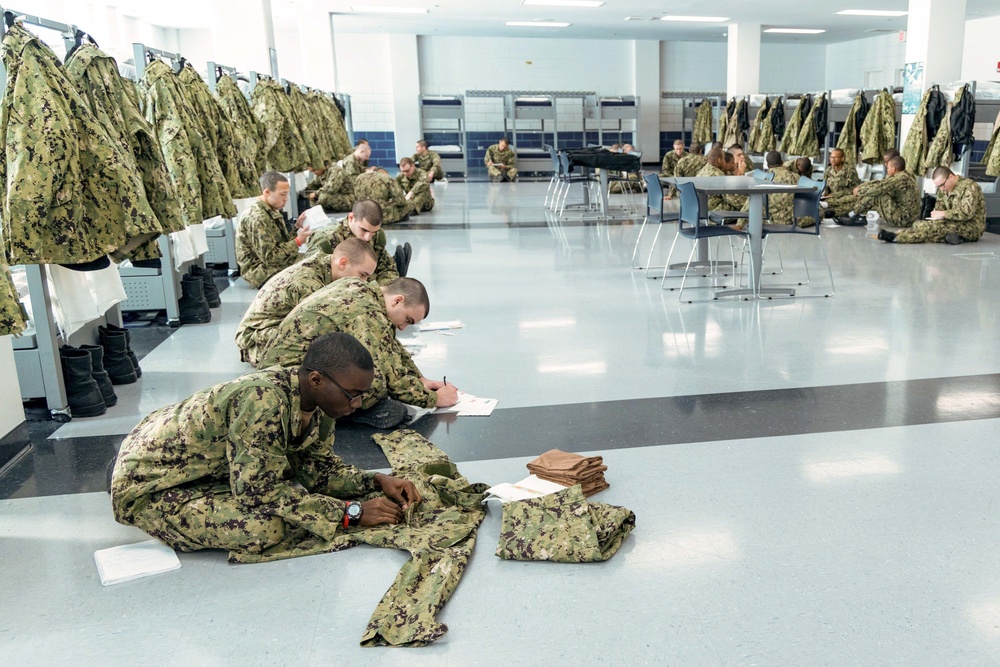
471	406
316	218
436	326
134	561
529	487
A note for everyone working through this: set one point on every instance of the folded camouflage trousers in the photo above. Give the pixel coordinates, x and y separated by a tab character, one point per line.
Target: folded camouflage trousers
563	527
439	533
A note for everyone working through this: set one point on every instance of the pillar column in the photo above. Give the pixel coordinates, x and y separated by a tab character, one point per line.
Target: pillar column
316	44
646	86
743	71
405	72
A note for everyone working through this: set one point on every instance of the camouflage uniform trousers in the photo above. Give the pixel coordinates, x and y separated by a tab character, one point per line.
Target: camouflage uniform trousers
934	231
422	203
842	204
888	209
498	174
439	533
338	203
563	527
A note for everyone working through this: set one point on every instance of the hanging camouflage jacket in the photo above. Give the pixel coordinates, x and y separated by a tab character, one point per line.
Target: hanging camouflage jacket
991	158
759	121
356	307
12	319
702	132
848	139
283	143
323	130
915	147
807	143
878	133
249	130
69	194
336	124
789	141
939	152
726	116
306	124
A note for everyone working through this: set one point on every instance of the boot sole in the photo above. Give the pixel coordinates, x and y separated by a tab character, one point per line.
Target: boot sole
95	410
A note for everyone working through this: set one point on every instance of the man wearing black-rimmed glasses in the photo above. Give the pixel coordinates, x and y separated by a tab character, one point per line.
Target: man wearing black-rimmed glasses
242	466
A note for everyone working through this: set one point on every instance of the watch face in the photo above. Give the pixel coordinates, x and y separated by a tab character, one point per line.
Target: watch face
354	510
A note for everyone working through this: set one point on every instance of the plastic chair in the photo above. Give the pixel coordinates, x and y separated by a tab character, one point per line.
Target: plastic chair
690	225
567	177
654	202
556	176
805	204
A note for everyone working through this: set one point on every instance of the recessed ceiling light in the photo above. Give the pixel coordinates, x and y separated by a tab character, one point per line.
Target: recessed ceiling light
563	3
640	18
696	19
364	9
796	31
537	24
871	12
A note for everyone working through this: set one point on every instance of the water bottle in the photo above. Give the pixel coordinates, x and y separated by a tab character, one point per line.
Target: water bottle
873	218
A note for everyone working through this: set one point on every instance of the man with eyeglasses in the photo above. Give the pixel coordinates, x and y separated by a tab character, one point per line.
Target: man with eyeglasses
958	216
242	465
372	314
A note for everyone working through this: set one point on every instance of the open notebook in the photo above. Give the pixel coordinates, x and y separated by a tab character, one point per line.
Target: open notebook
134	561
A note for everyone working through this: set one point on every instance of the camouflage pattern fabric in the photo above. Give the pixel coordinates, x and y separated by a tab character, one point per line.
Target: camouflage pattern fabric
896	198
420	187
336	193
723	202
670	161
215	471
341	141
940	153
322	128
725	113
382	188
69	192
507	157
563	527
789	141
430	163
878	132
284	147
762	132
358	308
326	239
780	206
352	166
848	139
689	165
264	246
12	319
249	131
966	216
914	149
307	125
991	158
276	299
840	188
702	132
807	143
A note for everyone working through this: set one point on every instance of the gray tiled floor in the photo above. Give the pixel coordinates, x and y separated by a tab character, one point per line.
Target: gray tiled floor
869	547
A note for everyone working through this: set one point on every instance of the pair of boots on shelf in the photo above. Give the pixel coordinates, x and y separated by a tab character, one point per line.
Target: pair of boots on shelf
90	371
198	294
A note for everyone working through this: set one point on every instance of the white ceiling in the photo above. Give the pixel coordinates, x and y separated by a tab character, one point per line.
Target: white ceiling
485	18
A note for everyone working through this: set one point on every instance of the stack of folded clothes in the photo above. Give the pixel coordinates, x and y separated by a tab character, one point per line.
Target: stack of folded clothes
571	469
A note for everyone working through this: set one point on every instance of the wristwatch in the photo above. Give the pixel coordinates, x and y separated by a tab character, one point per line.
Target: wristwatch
352	514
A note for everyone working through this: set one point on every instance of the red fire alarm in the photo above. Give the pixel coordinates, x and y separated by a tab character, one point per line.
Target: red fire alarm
998	67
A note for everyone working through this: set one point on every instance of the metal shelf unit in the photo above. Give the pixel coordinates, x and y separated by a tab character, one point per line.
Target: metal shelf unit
437	113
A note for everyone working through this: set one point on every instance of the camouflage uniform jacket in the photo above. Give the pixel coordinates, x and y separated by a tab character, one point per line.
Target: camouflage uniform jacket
702	132
495	155
264	245
326	239
352	166
248	129
991	158
244	434
689	165
336	125
670	161
439	532
841	182
724	202
12	320
356	307
848	139
284	148
780	206
896	197
418	185
68	192
336	182
789	140
878	132
430	162
95	76
307	124
276	299
965	203
323	130
383	189
914	149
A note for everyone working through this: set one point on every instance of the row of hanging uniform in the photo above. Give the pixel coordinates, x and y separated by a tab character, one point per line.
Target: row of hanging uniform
95	166
941	131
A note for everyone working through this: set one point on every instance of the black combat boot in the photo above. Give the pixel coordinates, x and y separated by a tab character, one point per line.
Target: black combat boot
402	262
116	362
82	392
211	291
100	375
112	329
192	304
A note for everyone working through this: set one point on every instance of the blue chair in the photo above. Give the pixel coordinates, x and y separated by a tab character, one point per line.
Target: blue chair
805	205
693	224
654	204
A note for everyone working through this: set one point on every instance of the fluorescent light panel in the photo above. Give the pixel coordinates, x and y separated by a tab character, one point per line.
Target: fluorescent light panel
537	24
388	10
696	19
796	31
871	12
563	3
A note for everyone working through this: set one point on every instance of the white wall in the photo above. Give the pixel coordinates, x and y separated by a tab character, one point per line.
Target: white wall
982	50
847	62
693	66
792	68
11	410
363	71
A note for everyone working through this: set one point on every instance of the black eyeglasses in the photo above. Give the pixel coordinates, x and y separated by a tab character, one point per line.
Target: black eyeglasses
350	397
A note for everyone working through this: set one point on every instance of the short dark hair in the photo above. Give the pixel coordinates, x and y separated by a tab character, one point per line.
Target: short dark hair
804	167
405	160
696	147
337	352
412	290
889	154
837	150
368	210
898	163
422	142
772	158
269	180
716	156
733	148
355	250
362	141
941	172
